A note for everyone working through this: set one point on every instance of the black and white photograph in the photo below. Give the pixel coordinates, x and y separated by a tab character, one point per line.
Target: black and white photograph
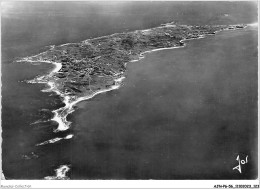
152	91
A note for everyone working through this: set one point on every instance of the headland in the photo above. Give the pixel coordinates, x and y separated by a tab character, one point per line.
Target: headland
93	66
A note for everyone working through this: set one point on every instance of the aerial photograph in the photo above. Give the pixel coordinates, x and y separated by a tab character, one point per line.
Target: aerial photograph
129	90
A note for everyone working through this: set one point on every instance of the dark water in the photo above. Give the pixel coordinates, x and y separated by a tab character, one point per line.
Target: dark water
183	113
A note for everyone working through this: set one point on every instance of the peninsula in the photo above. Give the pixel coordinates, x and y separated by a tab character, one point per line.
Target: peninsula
96	65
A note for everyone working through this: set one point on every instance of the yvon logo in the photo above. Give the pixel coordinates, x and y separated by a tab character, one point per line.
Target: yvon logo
240	162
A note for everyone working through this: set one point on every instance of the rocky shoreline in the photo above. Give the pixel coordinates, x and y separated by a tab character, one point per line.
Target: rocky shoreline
97	65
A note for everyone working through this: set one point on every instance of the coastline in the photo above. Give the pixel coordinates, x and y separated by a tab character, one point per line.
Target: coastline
63	124
60	115
70	102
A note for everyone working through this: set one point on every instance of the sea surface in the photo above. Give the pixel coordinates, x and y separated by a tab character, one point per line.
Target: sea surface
181	113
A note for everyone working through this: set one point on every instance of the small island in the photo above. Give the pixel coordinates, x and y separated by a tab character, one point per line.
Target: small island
97	65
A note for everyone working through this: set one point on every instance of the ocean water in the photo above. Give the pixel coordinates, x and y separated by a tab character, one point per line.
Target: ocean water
29	28
181	114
